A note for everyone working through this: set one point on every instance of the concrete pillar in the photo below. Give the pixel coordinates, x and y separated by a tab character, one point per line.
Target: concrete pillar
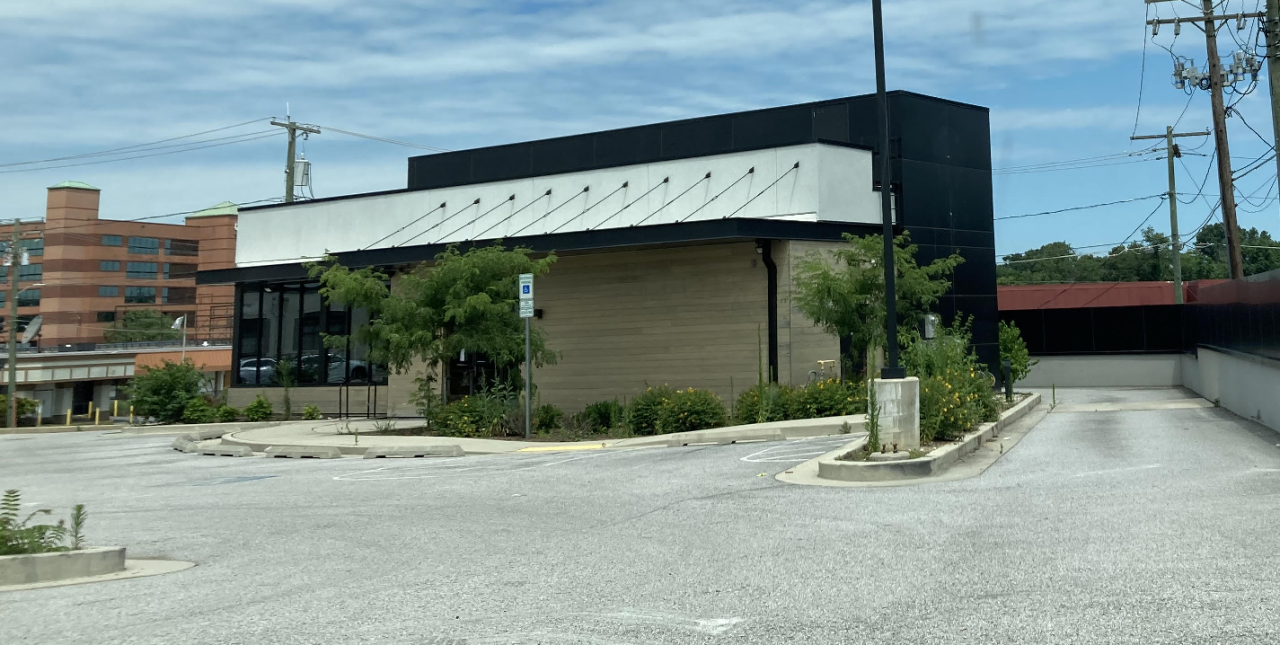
899	401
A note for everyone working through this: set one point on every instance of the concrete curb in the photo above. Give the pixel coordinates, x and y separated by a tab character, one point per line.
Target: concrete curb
219	450
39	568
139	568
724	438
301	452
414	452
831	467
771	431
205	430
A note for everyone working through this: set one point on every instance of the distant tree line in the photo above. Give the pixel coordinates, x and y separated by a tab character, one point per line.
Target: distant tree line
1147	260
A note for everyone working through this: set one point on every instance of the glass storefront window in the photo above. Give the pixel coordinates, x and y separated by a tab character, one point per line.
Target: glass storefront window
288	323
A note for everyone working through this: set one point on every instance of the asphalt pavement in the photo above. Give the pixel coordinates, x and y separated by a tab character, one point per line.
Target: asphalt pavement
1151	525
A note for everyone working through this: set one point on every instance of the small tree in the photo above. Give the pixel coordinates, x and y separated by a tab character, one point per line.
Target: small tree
287	378
142	325
461	301
844	293
1014	350
163	392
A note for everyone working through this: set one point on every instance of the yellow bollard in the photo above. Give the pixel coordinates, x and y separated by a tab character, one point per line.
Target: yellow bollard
97	419
90	412
115	408
130	415
68	417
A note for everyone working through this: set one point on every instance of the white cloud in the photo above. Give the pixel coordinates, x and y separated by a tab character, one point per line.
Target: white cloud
92	74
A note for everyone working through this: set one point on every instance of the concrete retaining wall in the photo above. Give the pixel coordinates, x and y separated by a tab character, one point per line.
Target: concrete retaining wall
1123	370
1242	383
48	567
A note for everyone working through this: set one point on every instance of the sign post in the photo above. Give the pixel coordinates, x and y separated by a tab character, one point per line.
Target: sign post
526	312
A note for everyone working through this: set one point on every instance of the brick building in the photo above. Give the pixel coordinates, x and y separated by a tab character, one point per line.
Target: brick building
85	273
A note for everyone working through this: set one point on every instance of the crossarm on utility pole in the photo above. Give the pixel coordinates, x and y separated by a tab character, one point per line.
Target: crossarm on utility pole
294	128
1176	243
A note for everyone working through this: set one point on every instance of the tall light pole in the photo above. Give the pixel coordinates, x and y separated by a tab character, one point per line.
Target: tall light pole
891	370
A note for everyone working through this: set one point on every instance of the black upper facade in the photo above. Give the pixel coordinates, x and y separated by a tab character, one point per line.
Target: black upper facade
941	160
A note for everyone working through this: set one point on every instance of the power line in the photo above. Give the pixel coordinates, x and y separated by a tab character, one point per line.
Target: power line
132	148
144	156
1067	166
1081	208
383	139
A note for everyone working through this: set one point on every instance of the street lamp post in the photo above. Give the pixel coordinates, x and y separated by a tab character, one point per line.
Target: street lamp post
891	370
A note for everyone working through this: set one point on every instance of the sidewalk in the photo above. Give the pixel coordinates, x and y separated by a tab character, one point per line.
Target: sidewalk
341	434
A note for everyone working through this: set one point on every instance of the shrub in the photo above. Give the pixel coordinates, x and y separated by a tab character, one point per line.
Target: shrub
691	409
198	410
20	536
602	415
226	414
547	418
427	400
474	416
1014	350
829	398
642	414
311	413
259	410
163	392
768	402
955	393
26	407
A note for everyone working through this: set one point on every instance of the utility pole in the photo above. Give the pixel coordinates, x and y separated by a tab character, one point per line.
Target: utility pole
1171	151
14	263
294	128
1226	184
1208	23
891	370
1272	29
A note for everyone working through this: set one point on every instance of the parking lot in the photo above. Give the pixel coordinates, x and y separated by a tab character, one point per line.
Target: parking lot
1124	526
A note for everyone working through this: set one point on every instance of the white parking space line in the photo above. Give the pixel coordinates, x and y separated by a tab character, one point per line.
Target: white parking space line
798	450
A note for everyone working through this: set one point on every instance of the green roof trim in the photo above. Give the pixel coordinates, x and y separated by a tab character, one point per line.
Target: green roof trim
74	184
225	208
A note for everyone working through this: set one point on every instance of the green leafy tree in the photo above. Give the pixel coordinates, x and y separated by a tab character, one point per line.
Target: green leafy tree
1052	263
1211	244
844	293
461	301
1014	350
1149	259
142	325
163	392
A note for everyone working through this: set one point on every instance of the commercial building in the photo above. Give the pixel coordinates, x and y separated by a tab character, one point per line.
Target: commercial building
85	272
677	242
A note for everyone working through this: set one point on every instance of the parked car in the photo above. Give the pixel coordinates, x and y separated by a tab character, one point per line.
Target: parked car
337	370
257	370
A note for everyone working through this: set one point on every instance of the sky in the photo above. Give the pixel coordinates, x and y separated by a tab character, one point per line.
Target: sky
1063	80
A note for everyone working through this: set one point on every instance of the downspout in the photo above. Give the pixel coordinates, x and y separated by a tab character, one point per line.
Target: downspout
771	270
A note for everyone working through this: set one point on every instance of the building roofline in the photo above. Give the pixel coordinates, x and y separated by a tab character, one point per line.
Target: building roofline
681	234
397	191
